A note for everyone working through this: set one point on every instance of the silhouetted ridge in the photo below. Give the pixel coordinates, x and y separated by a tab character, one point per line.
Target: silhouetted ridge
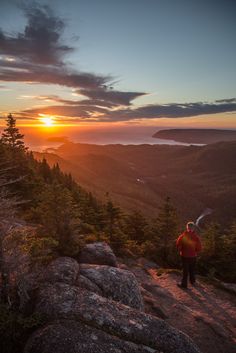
200	136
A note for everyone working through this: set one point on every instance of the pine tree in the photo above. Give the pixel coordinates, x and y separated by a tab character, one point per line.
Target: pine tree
112	216
137	227
45	171
211	240
59	215
166	232
210	261
11	135
227	254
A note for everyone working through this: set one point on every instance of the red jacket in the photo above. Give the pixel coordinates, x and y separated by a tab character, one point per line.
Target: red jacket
189	244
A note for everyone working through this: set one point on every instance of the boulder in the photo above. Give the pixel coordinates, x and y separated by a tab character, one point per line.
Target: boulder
69	336
63	269
84	282
62	301
99	253
115	283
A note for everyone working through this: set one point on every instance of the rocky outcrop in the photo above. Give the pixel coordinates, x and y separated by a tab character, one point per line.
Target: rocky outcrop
72	336
62	301
117	284
98	253
84	282
63	269
91	308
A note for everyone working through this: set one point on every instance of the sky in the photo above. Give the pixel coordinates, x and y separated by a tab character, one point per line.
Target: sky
127	64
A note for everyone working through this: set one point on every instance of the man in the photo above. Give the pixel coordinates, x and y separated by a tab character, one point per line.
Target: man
189	245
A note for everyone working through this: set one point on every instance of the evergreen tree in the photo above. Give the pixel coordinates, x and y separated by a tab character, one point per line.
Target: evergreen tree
112	217
211	241
11	135
211	257
230	242
227	254
59	215
20	164
45	171
137	227
166	231
113	226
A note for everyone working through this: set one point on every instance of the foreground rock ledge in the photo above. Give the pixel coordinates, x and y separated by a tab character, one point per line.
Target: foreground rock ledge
62	301
69	336
115	283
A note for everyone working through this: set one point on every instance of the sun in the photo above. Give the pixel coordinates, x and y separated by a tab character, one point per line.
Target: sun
48	121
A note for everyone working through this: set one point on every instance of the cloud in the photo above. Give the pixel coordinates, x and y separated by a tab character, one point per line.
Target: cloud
37	56
114	99
79	111
4	88
82	111
87	84
110	95
88	102
41	40
19	71
229	100
173	110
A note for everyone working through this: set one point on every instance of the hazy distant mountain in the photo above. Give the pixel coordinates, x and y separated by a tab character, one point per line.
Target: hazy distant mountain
204	136
141	176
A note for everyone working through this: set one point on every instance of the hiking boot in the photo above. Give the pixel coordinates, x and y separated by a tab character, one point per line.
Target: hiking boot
180	285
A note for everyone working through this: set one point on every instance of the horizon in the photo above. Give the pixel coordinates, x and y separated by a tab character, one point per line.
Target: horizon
89	66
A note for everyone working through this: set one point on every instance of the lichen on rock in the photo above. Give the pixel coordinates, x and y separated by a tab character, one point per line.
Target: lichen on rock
98	253
117	284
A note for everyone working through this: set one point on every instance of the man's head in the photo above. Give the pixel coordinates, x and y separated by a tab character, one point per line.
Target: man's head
190	226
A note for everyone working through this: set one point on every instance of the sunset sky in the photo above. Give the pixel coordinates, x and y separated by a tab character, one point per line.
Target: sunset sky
109	64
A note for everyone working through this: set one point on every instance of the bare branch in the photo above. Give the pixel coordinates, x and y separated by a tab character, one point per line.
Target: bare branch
10	182
2	171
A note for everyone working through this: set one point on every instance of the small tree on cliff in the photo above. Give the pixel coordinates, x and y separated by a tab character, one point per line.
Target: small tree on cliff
11	135
166	231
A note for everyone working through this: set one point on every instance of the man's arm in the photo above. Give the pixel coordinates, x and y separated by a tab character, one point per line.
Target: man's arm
179	242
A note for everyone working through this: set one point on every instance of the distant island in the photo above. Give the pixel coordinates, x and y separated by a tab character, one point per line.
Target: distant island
204	136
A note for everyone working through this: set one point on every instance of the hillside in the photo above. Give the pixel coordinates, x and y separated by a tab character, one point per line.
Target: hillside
141	176
201	136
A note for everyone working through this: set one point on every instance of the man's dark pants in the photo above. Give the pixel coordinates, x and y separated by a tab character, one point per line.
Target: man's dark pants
189	264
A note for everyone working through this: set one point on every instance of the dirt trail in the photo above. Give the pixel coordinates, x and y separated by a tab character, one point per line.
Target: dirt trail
205	313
